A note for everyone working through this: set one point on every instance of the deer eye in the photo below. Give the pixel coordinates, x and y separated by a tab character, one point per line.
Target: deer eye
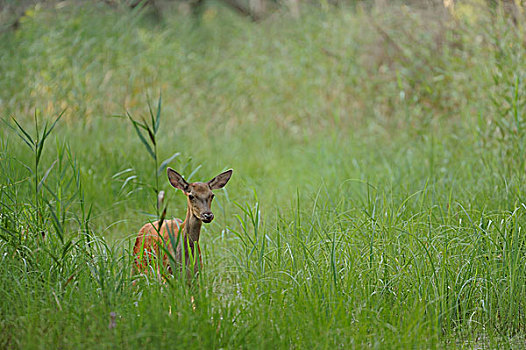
212	196
191	196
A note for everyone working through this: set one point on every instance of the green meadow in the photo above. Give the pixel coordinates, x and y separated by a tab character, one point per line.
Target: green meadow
378	193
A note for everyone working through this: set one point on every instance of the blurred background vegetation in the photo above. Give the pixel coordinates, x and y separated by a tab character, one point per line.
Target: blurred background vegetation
378	150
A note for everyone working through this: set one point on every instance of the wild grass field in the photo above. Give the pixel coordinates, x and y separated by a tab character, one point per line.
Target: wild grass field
378	194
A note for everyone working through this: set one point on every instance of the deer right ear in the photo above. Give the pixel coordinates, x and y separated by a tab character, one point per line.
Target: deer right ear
220	180
177	181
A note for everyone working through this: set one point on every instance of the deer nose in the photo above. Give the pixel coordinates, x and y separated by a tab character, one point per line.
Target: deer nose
208	217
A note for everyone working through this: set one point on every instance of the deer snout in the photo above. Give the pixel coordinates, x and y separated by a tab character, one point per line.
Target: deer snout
207	217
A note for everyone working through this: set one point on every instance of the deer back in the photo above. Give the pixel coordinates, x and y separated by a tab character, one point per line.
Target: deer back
151	239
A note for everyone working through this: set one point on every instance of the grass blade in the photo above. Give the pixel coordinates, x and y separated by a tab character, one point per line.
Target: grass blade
158	117
116	175
24	136
46	174
128	179
45	134
167	161
141	137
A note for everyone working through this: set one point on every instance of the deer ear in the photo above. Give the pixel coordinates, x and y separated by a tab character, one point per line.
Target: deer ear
177	181
220	180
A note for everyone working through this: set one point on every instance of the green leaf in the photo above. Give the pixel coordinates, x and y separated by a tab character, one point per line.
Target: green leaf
128	180
165	163
158	118
56	222
116	175
45	135
193	173
142	125
152	118
24	136
141	137
46	174
40	145
174	240
152	136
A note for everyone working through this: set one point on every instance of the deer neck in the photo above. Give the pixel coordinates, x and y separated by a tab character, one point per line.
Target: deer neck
191	232
192	227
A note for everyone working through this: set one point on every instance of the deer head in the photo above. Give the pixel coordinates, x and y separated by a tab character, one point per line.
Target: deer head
199	194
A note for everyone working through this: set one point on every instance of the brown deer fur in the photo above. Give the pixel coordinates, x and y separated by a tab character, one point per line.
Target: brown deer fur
151	240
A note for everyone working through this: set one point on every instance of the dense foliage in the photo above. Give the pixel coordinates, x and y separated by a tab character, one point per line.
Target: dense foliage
378	195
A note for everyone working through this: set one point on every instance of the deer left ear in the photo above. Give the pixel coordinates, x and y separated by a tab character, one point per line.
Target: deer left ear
220	180
177	180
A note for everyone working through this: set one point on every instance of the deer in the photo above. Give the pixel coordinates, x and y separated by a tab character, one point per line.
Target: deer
154	238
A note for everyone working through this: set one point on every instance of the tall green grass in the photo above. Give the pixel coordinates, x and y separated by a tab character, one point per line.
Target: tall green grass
377	199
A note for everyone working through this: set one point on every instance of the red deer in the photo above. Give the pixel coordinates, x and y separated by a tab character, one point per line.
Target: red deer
154	242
